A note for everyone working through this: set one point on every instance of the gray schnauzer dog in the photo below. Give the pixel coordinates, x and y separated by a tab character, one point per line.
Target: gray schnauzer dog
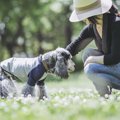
34	70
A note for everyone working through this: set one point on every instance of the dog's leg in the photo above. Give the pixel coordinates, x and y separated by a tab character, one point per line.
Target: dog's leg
28	90
41	90
3	94
12	89
3	91
7	88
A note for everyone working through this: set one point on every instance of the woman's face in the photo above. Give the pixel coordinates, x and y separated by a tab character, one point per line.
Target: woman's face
99	19
86	21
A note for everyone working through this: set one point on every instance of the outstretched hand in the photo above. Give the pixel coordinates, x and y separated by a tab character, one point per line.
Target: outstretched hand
94	59
118	14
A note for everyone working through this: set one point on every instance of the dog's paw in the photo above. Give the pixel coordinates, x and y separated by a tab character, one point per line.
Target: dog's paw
42	92
28	90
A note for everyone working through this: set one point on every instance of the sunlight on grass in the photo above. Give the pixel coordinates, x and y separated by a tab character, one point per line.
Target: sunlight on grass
72	99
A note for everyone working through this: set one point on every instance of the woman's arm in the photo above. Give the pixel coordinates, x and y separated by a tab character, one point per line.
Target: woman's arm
114	56
86	36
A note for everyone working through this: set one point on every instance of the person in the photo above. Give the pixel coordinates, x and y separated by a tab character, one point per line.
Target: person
101	65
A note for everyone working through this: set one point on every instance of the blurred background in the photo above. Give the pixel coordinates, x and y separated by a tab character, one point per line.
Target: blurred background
32	27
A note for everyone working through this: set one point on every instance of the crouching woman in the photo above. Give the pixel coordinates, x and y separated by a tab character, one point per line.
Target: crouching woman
101	65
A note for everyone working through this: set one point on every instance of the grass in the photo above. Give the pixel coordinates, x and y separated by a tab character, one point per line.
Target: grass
72	99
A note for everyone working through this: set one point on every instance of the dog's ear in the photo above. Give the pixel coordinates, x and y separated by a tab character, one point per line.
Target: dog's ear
66	55
61	66
63	52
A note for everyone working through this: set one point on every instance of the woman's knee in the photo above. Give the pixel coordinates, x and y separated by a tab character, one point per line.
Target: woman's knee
86	54
91	69
90	52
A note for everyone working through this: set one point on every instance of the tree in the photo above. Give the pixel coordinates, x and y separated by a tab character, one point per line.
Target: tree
35	24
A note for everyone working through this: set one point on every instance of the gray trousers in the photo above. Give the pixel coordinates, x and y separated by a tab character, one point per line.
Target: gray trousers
103	77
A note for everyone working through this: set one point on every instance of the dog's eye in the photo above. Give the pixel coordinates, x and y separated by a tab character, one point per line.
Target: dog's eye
63	54
66	55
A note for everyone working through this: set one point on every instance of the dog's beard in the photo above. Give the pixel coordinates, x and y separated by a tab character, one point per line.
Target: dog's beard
70	66
61	69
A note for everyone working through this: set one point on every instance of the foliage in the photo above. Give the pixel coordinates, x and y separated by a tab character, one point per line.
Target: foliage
32	27
35	24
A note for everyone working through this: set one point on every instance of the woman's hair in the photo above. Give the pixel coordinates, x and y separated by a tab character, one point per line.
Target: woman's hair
96	19
93	19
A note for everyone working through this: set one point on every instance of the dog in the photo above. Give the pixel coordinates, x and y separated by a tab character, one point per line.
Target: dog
34	70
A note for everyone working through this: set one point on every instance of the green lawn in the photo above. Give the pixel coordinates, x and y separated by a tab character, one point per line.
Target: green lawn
72	99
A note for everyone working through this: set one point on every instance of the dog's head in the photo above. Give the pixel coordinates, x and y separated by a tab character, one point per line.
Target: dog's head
58	62
64	63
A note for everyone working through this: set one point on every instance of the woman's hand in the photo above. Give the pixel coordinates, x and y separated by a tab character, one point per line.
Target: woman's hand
118	14
94	59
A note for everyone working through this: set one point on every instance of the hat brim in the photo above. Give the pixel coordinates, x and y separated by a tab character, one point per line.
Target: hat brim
81	15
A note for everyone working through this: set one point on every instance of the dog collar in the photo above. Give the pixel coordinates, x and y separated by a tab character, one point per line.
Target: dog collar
47	68
45	65
48	63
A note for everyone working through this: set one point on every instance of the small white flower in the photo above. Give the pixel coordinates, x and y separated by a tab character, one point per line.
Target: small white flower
25	110
15	105
3	105
106	96
57	98
76	99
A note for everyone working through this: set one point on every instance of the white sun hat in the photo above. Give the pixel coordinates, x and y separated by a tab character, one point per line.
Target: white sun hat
87	8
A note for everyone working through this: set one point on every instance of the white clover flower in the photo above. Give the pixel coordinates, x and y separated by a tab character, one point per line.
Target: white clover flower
61	90
25	110
6	109
106	96
3	105
15	105
72	91
70	97
76	99
57	98
24	101
112	97
84	101
118	98
56	105
66	103
92	104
